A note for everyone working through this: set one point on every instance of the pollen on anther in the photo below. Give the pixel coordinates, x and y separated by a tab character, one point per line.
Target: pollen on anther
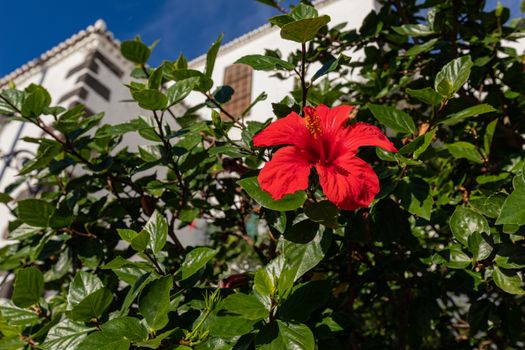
313	122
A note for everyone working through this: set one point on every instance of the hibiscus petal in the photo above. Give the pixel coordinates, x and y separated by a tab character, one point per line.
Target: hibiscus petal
363	134
286	173
349	182
290	130
333	119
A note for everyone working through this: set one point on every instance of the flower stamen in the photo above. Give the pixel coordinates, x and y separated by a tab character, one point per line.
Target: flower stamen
312	121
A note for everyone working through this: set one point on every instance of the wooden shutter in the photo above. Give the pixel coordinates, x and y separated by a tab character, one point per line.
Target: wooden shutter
239	77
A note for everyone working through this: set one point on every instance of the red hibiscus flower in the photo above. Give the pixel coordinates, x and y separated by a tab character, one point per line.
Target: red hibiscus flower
323	141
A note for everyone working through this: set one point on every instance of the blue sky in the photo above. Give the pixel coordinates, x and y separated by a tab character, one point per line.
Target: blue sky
31	27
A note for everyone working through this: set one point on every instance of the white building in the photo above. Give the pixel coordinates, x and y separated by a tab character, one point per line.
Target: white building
89	69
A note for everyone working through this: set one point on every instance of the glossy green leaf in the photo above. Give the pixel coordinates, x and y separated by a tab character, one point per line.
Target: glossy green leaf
35	212
211	56
303	30
467	113
28	287
414	30
419	145
479	245
464	222
453	76
513	209
66	335
302	257
426	95
288	202
509	281
510	257
195	260
303	300
489	135
16	316
264	287
265	63
154	302
157	227
462	149
285	336
415	197
393	118
418	49
36	100
246	306
229	326
150	99
182	88
87	297
323	212
103	341
135	51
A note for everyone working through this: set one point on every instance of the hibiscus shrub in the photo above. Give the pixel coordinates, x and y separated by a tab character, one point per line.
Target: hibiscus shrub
323	233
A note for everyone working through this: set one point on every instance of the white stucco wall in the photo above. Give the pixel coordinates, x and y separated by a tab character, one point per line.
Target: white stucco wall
352	12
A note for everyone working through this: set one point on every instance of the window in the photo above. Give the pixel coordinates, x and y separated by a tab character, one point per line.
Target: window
239	77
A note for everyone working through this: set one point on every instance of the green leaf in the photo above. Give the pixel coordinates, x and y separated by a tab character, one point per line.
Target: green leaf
289	202
155	78
280	20
223	94
194	261
285	336
457	259
229	326
414	30
479	245
467	113
509	281
150	99
141	241
489	135
87	297
513	210
303	11
182	88
126	327
103	341
265	63
157	227
419	145
393	118
35	212
303	300
299	258
28	287
323	212
263	287
464	222
453	76
154	302
426	95
66	335
462	149
246	306
36	100
212	55
415	197
330	66
303	30
135	51
5	198
417	49
16	316
510	257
